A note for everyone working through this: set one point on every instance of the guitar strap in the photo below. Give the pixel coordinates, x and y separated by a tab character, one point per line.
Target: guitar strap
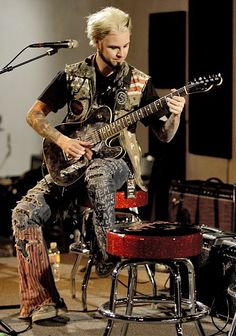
121	99
121	95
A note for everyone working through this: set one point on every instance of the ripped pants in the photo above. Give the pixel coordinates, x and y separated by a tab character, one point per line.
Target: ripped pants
103	178
36	283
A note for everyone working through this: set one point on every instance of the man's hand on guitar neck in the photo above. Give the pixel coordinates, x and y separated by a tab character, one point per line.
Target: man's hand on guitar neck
175	103
75	148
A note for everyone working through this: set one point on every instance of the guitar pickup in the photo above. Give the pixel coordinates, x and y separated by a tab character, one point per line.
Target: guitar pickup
67	157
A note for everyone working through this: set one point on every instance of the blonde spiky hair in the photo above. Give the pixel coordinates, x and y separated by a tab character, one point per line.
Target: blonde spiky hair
107	21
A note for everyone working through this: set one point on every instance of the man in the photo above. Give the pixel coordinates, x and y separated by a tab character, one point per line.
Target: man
102	79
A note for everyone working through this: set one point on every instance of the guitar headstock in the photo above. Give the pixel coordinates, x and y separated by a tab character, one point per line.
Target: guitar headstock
205	83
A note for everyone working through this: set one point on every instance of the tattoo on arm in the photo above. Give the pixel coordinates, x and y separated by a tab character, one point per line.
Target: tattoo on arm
38	121
168	130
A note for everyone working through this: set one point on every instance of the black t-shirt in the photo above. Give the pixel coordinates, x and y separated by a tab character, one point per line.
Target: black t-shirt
57	95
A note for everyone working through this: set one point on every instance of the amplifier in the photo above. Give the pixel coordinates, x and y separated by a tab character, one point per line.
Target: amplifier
216	271
210	203
224	242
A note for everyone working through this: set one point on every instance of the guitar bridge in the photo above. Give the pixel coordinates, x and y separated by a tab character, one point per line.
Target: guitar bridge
73	168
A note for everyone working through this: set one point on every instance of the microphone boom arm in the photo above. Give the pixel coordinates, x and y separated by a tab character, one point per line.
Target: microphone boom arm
48	53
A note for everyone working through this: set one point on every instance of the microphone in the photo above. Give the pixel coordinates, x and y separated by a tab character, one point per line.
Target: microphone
57	45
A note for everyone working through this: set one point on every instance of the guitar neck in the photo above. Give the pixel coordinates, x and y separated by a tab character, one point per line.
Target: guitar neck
129	119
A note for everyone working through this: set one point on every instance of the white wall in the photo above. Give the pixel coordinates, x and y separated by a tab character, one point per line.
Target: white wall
22	23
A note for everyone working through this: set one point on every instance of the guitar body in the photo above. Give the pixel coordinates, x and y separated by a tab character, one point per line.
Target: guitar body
66	171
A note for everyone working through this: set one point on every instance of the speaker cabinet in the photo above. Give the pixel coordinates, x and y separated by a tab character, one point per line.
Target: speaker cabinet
196	202
215	271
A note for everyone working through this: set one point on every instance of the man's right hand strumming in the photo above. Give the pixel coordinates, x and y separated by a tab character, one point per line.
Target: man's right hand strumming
75	148
37	119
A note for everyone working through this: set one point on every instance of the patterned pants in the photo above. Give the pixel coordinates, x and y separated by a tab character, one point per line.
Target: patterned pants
37	287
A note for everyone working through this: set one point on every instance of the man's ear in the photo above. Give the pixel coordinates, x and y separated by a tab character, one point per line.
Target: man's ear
96	44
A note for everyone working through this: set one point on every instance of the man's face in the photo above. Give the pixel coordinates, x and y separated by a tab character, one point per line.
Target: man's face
113	49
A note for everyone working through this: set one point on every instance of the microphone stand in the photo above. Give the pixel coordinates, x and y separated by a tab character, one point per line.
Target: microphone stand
48	53
7	328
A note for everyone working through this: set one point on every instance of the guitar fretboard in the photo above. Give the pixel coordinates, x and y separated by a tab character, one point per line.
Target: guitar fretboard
129	119
202	85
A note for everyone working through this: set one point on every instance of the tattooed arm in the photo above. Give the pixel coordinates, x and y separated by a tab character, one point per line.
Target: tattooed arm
168	130
37	119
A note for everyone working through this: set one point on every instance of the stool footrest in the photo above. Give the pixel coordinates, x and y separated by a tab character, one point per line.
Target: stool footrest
154	315
80	248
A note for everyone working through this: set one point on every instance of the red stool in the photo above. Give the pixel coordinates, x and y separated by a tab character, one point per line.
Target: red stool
148	243
126	212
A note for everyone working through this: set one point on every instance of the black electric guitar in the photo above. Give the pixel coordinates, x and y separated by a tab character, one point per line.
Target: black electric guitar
100	130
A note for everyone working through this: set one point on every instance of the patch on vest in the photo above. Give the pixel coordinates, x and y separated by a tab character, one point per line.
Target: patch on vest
121	97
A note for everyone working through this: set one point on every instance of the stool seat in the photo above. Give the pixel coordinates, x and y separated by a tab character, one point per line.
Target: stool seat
154	240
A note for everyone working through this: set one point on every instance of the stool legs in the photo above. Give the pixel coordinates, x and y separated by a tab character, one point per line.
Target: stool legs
73	274
177	296
192	293
82	249
86	277
86	280
132	286
151	277
193	310
113	296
